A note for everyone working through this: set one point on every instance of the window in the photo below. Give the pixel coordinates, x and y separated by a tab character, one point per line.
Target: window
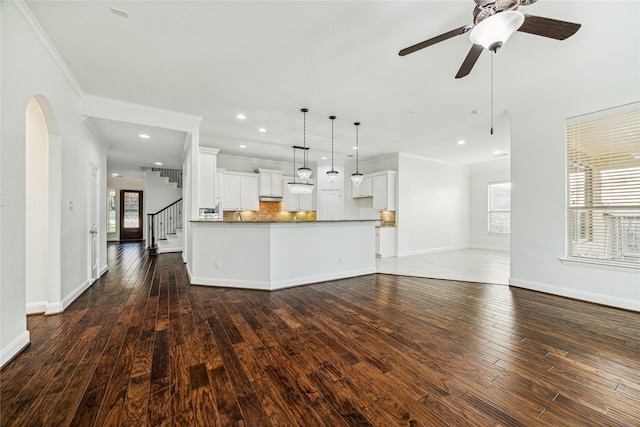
499	218
603	186
111	211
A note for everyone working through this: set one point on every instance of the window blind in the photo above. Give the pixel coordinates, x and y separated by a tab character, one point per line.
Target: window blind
603	185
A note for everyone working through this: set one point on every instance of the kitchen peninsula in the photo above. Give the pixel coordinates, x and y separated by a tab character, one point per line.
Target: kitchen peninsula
271	255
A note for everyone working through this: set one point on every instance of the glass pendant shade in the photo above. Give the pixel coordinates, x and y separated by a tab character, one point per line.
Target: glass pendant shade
300	187
495	30
304	187
304	173
332	176
357	178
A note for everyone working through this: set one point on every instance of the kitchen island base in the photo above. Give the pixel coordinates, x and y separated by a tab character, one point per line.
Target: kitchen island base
276	255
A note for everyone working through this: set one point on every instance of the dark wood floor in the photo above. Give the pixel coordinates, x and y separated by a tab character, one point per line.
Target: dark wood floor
142	347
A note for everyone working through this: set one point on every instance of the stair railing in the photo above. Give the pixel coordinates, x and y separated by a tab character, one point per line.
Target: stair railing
174	175
163	223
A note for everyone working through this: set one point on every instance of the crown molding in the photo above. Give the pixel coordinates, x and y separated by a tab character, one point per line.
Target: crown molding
95	131
23	11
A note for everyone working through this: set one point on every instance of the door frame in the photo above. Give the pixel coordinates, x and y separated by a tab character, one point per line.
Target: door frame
93	221
140	214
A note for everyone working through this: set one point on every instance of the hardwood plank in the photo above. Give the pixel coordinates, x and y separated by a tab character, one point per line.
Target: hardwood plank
144	347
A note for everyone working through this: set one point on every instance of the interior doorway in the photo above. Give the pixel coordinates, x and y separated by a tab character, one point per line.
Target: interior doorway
94	240
131	215
43	189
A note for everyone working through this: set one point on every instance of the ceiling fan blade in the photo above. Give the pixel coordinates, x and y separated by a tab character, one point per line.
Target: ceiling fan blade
547	27
470	60
434	40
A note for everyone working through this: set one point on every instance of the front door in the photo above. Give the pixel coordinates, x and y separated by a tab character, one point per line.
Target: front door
131	208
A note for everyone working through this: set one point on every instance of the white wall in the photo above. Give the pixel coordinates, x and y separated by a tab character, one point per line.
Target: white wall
432	209
481	175
27	70
538	203
160	192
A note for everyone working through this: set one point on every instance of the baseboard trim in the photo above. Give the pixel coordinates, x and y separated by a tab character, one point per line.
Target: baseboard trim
103	270
491	248
433	250
36	307
602	299
14	348
54	308
75	294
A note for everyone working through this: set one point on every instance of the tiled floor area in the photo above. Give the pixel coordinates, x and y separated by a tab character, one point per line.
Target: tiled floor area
471	265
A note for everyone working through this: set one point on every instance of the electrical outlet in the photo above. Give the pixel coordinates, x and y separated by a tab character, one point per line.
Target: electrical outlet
216	265
339	260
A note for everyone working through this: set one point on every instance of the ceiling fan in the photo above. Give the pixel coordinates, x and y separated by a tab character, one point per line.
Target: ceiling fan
494	21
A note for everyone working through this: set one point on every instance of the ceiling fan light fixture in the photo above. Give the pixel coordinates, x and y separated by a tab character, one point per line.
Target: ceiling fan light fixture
494	31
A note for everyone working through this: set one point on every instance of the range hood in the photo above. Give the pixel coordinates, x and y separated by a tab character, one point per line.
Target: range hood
270	199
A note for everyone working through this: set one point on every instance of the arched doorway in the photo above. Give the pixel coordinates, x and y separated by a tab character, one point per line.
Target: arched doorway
43	208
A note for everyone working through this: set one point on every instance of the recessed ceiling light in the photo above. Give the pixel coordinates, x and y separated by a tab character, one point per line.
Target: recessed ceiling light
243	146
262	130
496	152
241	116
324	158
354	147
115	175
158	163
461	142
144	136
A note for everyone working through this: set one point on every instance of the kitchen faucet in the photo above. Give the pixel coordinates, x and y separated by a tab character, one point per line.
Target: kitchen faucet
237	216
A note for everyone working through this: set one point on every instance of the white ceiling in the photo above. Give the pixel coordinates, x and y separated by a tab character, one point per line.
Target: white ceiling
267	59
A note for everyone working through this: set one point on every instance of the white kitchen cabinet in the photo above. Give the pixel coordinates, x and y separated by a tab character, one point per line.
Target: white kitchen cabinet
240	191
384	191
385	242
365	189
207	158
270	183
295	202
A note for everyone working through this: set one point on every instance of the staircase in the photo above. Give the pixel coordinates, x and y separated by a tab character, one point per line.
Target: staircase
165	229
164	233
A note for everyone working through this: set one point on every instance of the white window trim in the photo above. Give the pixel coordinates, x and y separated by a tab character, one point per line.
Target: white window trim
601	264
489	211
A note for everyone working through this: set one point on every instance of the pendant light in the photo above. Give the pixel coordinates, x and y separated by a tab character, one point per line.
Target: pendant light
298	187
357	177
333	174
304	172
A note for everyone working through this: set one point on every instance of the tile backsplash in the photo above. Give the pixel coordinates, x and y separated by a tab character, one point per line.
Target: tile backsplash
270	211
387	218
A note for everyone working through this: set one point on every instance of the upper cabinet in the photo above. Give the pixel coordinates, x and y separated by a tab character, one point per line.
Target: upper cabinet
270	183
240	191
384	190
365	189
207	194
379	185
